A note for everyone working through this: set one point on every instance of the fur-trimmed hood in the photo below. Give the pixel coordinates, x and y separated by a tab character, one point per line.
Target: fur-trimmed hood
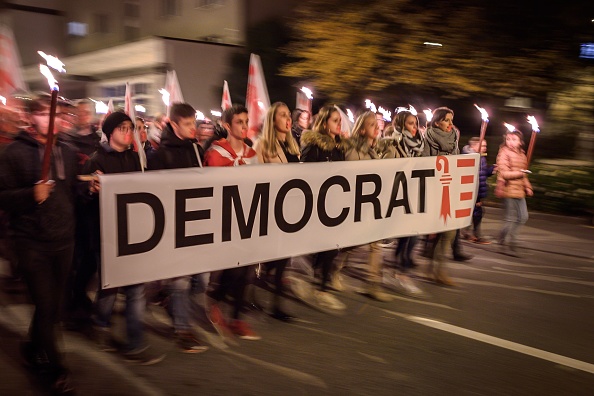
325	142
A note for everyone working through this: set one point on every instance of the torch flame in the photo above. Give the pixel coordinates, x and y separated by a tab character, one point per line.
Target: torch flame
532	121
100	107
509	127
165	96
350	115
216	113
369	104
412	110
387	115
484	114
53	62
199	115
53	83
307	92
428	114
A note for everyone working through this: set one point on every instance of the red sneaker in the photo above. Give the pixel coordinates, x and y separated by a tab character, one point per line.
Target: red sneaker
243	330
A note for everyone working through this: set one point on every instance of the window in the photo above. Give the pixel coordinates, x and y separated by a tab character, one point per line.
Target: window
209	3
101	23
131	33
141	88
169	8
131	10
77	29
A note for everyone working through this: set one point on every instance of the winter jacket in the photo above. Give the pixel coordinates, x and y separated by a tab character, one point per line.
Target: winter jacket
221	153
282	155
509	166
319	147
174	152
51	224
484	172
362	152
84	145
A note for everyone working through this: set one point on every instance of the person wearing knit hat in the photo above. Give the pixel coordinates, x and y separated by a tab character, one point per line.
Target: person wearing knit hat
112	121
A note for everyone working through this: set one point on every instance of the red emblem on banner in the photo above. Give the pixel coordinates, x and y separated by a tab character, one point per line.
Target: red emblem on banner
445	180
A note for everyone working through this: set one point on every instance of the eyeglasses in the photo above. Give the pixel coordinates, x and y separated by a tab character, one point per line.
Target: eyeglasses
125	129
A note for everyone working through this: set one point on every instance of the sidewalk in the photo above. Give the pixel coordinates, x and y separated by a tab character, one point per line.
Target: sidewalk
564	235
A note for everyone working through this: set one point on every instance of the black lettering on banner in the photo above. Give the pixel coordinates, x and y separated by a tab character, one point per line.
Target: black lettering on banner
372	198
122	202
182	217
231	197
422	174
279	217
399	179
322	214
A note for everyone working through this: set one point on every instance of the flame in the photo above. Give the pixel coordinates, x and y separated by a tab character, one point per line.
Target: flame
369	104
509	127
412	110
165	96
484	114
307	92
350	115
199	115
386	113
216	113
140	108
428	114
100	107
53	83
532	121
3	100
53	62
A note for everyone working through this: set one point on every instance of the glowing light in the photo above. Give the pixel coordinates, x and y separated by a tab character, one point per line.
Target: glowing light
307	92
509	127
350	115
53	83
100	107
412	110
386	113
532	121
3	100
432	44
428	114
216	113
165	96
369	104
53	62
484	114
140	108
199	115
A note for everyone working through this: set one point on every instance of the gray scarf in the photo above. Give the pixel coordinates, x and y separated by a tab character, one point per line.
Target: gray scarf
440	142
414	145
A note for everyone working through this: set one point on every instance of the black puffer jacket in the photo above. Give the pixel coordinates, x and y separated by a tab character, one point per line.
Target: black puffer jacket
50	224
174	152
318	147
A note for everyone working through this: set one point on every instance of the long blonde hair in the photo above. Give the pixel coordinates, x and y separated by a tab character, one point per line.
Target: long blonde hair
356	137
269	139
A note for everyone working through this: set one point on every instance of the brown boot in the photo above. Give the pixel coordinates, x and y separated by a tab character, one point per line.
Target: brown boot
374	291
442	279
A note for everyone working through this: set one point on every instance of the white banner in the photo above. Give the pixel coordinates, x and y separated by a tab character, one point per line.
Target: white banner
164	224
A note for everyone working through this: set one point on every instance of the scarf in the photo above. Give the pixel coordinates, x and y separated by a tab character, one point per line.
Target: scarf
441	142
413	145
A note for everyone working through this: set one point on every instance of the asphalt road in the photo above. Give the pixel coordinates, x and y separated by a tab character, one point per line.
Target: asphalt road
512	327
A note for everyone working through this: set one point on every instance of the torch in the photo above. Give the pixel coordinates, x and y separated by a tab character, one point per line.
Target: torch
532	121
484	122
56	64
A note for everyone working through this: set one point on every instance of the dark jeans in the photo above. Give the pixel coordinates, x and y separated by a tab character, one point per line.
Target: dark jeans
324	260
279	267
233	281
45	272
404	251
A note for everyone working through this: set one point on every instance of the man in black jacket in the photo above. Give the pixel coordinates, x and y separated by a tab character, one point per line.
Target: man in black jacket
42	224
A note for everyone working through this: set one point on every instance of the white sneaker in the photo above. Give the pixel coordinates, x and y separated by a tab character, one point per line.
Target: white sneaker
327	300
403	284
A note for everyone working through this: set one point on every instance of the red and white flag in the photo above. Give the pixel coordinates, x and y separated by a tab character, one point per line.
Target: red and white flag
303	102
129	109
172	87
257	101
11	77
110	108
226	101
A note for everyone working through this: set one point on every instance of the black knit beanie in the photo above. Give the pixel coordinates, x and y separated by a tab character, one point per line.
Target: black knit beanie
112	121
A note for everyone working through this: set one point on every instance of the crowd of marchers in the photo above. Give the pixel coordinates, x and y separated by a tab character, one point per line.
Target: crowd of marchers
50	231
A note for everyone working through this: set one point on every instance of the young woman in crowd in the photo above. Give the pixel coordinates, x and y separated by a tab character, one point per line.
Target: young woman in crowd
277	146
513	186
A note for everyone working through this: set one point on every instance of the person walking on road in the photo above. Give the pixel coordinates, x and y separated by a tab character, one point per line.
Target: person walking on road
513	186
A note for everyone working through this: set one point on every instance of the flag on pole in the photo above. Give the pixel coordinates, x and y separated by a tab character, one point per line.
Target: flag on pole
110	108
257	101
172	87
11	77
129	109
226	101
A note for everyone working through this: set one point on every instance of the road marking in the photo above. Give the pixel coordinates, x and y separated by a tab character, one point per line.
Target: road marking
499	342
291	373
522	288
374	358
534	266
330	334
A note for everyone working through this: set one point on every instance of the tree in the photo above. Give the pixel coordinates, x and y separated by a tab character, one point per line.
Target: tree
343	47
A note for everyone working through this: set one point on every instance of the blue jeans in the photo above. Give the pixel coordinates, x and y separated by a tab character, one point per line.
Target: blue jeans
179	303
516	214
135	308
